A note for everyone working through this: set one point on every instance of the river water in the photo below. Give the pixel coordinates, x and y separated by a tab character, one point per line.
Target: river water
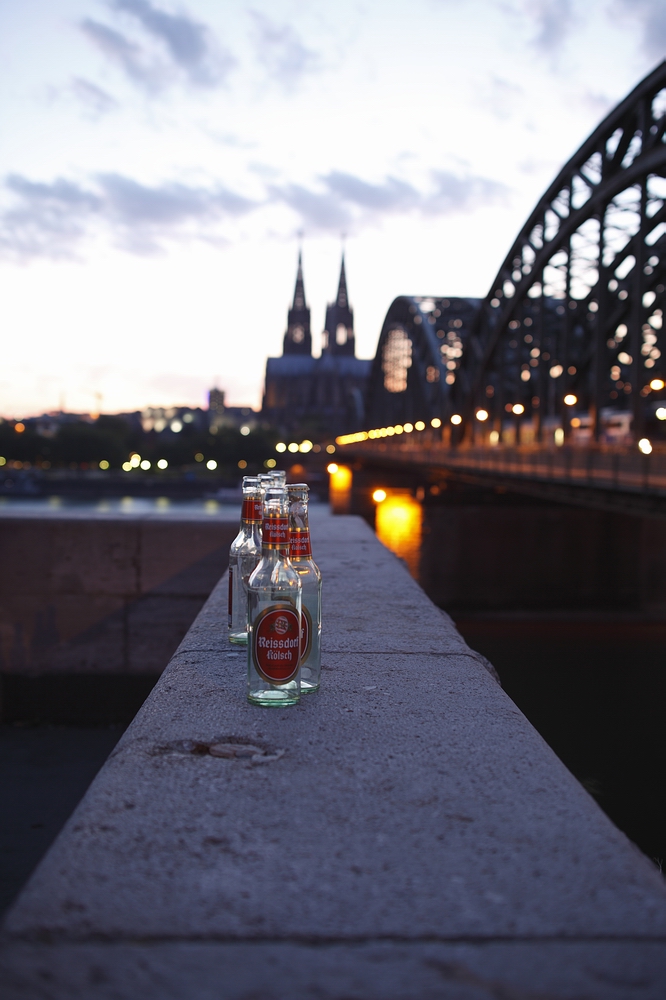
586	666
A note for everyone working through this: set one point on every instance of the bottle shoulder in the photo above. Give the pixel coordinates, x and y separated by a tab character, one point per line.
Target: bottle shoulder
251	542
307	569
237	542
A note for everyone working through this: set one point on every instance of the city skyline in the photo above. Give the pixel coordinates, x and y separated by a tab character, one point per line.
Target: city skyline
165	158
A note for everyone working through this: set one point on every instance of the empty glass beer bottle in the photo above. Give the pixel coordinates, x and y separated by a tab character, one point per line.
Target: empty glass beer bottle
300	554
274	613
244	555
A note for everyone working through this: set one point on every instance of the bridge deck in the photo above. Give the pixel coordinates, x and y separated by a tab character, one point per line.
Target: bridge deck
615	478
416	838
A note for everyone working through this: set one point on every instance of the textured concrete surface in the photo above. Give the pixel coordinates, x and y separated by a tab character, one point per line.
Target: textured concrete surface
417	838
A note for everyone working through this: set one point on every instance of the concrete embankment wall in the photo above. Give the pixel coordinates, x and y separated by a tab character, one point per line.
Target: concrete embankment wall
95	598
531	556
404	833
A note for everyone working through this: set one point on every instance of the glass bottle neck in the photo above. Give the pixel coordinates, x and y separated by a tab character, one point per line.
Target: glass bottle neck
299	531
252	509
275	536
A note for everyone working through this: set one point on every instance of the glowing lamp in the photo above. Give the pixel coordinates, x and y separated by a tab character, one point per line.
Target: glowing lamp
379	495
456	419
482	415
570	399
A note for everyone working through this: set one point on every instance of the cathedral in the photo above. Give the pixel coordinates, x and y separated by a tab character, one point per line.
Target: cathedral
317	397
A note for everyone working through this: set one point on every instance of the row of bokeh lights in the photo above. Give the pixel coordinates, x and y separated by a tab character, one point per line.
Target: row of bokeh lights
304	447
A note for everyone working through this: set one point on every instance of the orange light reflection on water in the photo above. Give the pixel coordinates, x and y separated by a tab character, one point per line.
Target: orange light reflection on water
399	523
340	484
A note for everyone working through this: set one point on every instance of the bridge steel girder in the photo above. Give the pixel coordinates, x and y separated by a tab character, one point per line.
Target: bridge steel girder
583	287
421	345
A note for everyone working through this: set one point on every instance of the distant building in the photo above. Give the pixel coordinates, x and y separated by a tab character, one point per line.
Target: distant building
317	396
167	419
215	408
220	415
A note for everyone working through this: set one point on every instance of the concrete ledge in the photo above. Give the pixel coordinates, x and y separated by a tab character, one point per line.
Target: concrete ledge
417	838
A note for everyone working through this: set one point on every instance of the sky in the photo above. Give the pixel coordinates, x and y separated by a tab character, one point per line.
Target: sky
161	161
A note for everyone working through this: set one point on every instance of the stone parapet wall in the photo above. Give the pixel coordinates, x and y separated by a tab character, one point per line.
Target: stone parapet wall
102	595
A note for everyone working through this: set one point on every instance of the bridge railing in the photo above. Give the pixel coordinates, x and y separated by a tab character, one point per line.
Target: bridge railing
605	467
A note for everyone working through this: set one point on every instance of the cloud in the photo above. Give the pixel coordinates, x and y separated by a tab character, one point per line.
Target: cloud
652	16
121	51
348	200
318	211
281	51
500	97
47	220
185	50
553	21
190	43
94	100
54	220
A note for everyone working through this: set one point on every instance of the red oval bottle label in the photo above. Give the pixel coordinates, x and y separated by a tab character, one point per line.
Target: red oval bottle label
275	531
299	543
276	641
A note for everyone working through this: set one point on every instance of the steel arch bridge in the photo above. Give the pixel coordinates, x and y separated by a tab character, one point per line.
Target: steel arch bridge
575	313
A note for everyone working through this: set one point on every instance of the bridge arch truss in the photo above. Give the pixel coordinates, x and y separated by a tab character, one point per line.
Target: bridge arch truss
418	358
576	310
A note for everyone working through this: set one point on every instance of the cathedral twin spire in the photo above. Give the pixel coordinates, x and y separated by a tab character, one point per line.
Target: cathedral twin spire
298	338
338	335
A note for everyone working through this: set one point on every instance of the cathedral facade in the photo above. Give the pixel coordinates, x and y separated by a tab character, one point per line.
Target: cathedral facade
317	397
